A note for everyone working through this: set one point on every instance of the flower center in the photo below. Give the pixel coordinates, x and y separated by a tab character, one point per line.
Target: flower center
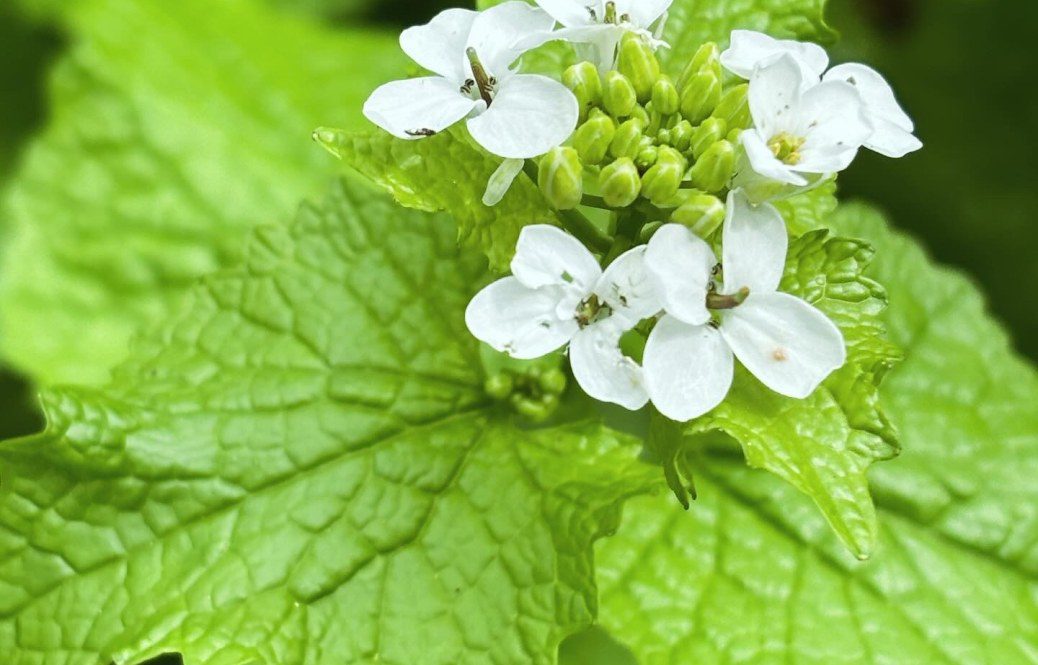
483	81
786	147
591	310
610	16
717	301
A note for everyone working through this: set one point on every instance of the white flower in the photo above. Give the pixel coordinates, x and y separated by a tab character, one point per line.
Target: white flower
893	128
785	342
558	294
749	50
511	115
602	23
802	129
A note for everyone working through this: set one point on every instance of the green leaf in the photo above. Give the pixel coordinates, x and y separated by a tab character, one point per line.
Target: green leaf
809	211
303	468
691	23
175	127
445	172
752	574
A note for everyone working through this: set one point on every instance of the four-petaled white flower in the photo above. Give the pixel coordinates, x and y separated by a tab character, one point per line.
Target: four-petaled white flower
511	115
786	343
557	295
802	129
892	127
602	23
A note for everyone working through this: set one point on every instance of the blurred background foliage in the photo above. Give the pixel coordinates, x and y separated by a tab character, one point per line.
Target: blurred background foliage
962	68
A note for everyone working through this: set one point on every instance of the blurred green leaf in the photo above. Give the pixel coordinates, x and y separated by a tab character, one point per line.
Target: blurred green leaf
302	467
751	572
174	128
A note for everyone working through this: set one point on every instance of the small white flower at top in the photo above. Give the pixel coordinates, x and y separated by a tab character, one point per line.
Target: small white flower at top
558	295
511	115
786	343
892	128
602	23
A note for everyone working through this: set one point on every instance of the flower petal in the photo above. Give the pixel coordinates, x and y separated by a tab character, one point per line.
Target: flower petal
415	108
750	49
570	13
519	321
774	97
602	41
892	141
497	32
439	45
688	369
529	116
833	124
754	246
629	288
548	256
681	263
643	13
893	127
501	181
785	342
764	162
602	370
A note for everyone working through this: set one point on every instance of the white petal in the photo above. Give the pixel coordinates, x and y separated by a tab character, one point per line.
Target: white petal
785	342
875	92
643	13
414	108
548	256
749	50
497	33
764	162
602	370
688	369
569	13
501	181
529	116
682	263
774	97
833	124
519	321
629	288
602	40
754	246
439	45
892	141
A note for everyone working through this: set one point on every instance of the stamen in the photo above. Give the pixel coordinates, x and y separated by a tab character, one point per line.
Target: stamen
786	148
610	12
592	310
483	80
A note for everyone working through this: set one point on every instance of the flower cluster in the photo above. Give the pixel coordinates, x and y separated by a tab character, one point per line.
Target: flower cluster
638	298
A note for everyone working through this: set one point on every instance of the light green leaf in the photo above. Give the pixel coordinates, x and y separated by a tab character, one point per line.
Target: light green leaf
175	127
693	22
751	574
809	211
445	172
303	468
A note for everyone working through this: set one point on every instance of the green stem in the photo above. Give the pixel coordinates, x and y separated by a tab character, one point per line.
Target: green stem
573	221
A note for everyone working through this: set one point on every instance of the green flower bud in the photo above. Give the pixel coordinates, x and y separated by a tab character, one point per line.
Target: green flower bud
586	85
661	182
536	410
701	213
649	230
713	171
701	96
663	137
734	108
620	183
639	64
592	139
618	95
665	96
707	58
734	135
499	386
627	139
646	157
655	119
640	113
561	178
553	381
710	132
681	135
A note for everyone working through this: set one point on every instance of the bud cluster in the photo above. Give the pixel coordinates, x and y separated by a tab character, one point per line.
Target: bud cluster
531	390
646	137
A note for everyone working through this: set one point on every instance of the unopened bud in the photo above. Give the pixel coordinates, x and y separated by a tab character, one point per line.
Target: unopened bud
710	132
553	381
646	157
663	137
713	171
681	135
582	78
618	95
700	96
655	119
701	213
620	183
734	108
665	96
640	113
707	58
592	139
639	64
499	386
661	182
561	178
649	230
627	140
536	410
